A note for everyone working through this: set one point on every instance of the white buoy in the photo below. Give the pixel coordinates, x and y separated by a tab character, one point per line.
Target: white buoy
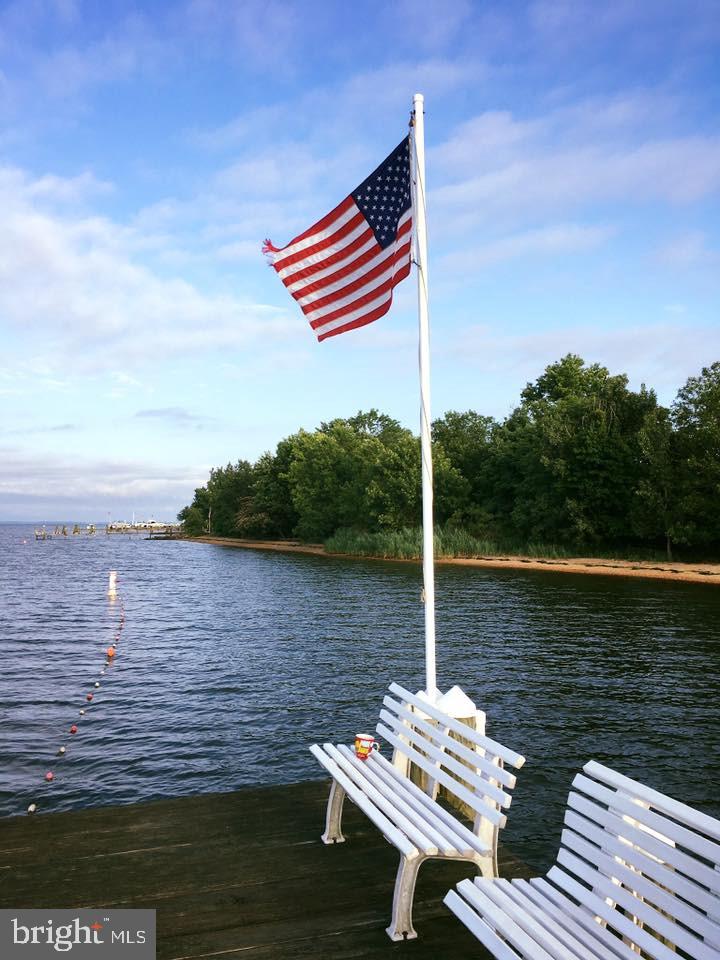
32	808
112	585
97	684
61	750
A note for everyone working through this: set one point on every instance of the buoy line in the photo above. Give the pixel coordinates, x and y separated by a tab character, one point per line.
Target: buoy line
110	655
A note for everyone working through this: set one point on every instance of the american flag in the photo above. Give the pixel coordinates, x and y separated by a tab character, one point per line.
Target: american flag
343	269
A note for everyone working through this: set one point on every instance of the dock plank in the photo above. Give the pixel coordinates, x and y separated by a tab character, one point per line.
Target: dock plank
235	875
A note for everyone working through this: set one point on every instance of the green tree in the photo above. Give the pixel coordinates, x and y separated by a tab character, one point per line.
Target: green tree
226	488
329	477
573	447
270	511
696	419
361	473
466	440
656	510
194	517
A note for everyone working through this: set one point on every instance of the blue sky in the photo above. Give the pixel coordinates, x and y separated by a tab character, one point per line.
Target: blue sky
147	149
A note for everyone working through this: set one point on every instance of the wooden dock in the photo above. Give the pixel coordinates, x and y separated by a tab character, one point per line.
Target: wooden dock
235	875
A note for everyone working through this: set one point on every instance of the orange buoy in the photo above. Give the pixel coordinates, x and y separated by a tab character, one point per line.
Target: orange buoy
49	776
73	729
111	652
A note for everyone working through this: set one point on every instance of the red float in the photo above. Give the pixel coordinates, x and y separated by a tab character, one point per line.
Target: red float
89	697
73	729
49	776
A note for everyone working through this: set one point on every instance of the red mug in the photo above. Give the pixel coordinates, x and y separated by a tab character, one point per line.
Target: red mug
364	745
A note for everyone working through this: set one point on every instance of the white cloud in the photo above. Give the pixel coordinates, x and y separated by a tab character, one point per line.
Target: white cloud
42	487
263	31
541	181
427	24
336	112
661	354
36	475
545	241
690	249
76	285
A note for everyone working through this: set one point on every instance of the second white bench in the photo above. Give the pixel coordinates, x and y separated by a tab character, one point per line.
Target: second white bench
469	765
637	875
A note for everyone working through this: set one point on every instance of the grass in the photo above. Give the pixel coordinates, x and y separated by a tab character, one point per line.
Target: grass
406	544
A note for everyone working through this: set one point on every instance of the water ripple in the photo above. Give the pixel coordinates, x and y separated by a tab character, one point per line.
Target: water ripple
232	662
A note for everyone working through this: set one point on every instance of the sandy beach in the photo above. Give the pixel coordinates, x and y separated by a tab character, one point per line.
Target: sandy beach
708	573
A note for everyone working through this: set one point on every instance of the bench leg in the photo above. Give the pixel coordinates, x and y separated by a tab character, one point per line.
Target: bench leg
401	927
333	817
487	867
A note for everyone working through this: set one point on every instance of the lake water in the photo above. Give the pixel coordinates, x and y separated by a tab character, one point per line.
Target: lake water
232	662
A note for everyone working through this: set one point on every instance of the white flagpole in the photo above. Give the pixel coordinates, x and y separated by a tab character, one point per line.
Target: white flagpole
424	358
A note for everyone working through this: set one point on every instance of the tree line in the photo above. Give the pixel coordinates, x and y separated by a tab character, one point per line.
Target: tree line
582	461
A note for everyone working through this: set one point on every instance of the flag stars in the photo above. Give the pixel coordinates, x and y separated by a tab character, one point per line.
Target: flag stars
385	197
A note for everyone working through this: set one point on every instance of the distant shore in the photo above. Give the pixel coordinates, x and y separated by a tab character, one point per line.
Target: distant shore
708	573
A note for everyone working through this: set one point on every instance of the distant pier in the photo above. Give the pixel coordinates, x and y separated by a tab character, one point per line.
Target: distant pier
151	527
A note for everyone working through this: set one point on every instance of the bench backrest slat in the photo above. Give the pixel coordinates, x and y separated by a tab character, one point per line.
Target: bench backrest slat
656	863
618	826
642	884
477	802
436	735
457	726
623	804
681	812
481	786
656	858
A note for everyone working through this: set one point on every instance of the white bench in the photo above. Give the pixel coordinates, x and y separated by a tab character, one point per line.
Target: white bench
637	875
409	816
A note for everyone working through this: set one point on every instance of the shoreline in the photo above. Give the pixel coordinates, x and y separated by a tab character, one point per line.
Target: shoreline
707	573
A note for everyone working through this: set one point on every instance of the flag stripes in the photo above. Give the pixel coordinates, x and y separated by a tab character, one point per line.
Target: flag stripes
342	270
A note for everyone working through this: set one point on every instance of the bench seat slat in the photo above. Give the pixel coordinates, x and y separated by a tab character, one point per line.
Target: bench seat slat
554	940
560	928
495	772
453	824
681	812
695	895
582	917
618	827
386	827
479	928
578	924
462	793
620	802
478	782
422	819
492	746
415	834
595	905
504	924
